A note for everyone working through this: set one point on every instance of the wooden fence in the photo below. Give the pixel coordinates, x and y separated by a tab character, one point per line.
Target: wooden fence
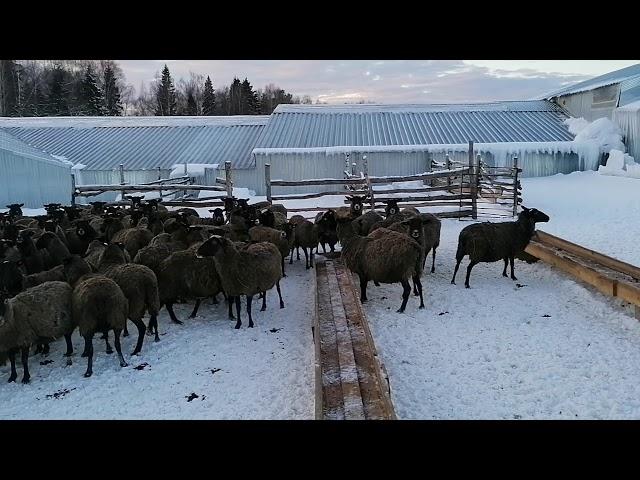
471	188
165	187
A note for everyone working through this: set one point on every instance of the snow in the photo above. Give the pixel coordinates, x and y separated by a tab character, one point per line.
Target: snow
264	373
491	352
619	164
630	107
78	166
133	121
603	132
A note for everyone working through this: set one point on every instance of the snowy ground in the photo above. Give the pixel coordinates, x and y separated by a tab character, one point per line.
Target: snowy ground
260	373
551	348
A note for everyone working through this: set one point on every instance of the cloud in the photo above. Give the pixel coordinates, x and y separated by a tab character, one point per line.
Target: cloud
381	81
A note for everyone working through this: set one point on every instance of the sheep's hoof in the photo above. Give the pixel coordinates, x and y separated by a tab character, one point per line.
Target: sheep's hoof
110	351
505	275
514	278
284	275
12	379
433	270
178	322
251	325
400	310
452	282
237	327
467	286
26	379
263	309
156	340
135	352
192	316
69	362
124	364
281	304
88	374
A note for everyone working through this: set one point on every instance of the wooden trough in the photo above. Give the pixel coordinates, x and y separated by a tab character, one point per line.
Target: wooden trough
608	275
350	380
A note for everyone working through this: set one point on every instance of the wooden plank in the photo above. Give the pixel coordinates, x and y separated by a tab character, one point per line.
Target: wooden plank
315	330
421	176
629	293
145	188
303	196
579	250
442	188
426	198
321	181
601	282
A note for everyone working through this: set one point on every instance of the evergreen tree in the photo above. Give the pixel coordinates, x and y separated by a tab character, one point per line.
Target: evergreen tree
166	104
112	100
57	102
235	98
93	102
209	99
192	106
250	101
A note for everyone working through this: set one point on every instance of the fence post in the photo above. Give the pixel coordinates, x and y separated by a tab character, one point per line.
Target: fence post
228	179
159	174
346	169
448	162
365	167
267	180
73	190
472	183
515	186
122	180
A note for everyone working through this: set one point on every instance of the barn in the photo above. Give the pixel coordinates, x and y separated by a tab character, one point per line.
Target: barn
615	95
30	176
149	148
313	141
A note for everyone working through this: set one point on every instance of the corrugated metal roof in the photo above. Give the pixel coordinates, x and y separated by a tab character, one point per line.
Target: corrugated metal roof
12	144
625	76
309	126
146	147
153	121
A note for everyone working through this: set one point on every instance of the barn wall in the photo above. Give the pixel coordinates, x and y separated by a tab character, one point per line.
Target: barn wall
32	182
112	177
592	104
629	123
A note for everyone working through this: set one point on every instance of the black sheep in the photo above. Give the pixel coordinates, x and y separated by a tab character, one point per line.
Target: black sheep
490	242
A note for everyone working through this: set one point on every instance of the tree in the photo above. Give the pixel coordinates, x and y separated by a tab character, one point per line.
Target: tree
192	106
235	97
9	91
112	101
93	100
249	99
57	102
166	104
208	99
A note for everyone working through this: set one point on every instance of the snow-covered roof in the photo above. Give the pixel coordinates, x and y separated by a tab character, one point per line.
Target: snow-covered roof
313	126
627	75
12	144
631	107
103	143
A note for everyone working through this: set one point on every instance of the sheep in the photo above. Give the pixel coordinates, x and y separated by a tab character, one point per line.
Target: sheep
41	312
79	237
97	305
56	250
9	251
15	210
218	216
363	223
112	225
490	242
431	225
184	275
254	269
326	222
272	219
278	238
391	258
353	211
97	208
133	239
139	285
33	260
305	235
14	281
153	255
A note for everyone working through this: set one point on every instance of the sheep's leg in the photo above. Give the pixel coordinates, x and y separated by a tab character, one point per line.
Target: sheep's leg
433	263
504	271
415	286
45	349
416	281
126	332
406	292
324	247
298	251
195	309
25	365
214	299
264	301
311	255
69	352
172	314
106	339
153	327
231	317
141	329
88	347
306	258
12	359
455	271
283	274
249	300
363	289
239	322
376	283
471	265
119	349
38	349
291	256
279	294
513	277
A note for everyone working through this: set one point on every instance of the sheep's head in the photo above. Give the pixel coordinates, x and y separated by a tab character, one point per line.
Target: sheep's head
218	216
242	203
230	203
267	218
85	231
11	277
45	239
415	227
391	208
24	237
72	212
97	207
288	230
135	201
11	232
357	204
75	267
212	246
533	215
328	220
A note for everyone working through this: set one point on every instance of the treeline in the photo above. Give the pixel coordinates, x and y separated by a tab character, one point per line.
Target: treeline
98	87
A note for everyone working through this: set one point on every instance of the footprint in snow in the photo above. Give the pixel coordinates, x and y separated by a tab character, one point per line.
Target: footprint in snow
519	285
192	397
546	316
46	362
141	366
274	330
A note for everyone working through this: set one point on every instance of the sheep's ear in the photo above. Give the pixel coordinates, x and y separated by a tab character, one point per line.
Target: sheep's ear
525	208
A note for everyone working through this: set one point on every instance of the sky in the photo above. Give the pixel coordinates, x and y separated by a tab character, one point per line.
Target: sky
388	81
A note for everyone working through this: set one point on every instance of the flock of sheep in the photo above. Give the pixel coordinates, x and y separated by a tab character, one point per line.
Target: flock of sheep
95	267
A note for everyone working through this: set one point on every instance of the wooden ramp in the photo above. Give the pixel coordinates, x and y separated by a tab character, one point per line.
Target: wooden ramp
350	383
609	275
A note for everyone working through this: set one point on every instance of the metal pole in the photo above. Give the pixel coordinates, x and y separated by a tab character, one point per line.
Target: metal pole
229	180
472	183
267	180
365	167
515	186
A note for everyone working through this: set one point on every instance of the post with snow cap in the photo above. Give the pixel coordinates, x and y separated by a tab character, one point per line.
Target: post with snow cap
229	180
448	163
267	180
365	167
515	186
73	189
122	179
159	174
473	183
346	169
